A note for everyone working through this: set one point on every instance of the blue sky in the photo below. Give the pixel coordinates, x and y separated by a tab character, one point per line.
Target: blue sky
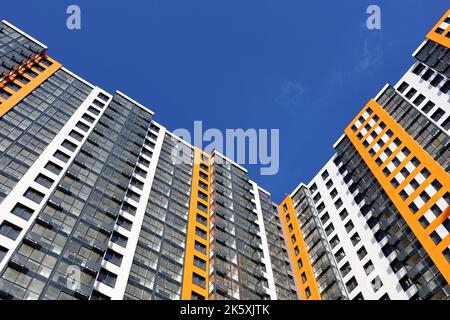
305	67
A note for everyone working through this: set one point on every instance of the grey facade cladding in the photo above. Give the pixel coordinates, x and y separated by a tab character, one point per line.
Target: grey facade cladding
430	136
405	253
15	49
28	128
435	56
238	259
328	277
157	269
75	224
279	258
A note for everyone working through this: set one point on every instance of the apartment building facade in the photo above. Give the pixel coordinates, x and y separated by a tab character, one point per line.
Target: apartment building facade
99	201
382	201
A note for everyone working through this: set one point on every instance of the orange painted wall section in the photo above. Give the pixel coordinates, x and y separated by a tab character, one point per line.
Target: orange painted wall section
435	251
26	89
303	253
440	38
189	268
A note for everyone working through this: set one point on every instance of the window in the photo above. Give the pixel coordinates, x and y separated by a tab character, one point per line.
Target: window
88	118
436	185
362	253
428	106
343	214
313	188
69	145
402	87
201	233
349	226
317	198
44	180
124	223
446	124
9	230
202	195
418	69
94	111
307	292
345	269
34	195
427	75
325	175
420	98
338	203
113	257
3	252
304	279
300	263
293	239
22	211
202	207
200	263
202	185
376	284
61	156
54	168
351	284
329	229
296	250
119	239
446	254
325	218
290	227
413	207
107	277
340	254
424	222
438	114
200	247
355	239
203	175
445	88
82	126
198	280
369	267
329	184
437	80
201	219
333	193
411	93
77	136
435	237
334	242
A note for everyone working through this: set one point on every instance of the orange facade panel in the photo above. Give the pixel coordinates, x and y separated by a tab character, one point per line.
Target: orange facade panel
17	90
298	253
440	33
421	167
196	263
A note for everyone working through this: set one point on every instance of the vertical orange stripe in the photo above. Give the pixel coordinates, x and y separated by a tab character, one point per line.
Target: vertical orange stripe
303	252
189	268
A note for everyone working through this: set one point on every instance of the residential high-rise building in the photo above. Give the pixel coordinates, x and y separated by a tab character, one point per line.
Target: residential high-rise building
382	202
100	201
